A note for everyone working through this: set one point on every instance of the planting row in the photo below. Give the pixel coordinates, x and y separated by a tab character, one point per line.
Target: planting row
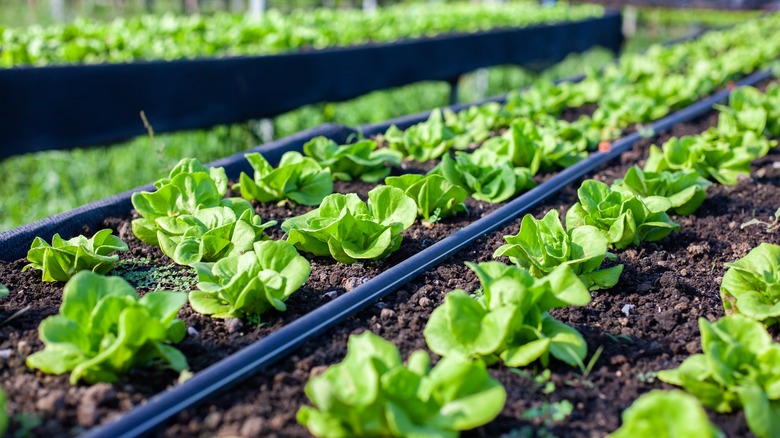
192	223
642	322
170	37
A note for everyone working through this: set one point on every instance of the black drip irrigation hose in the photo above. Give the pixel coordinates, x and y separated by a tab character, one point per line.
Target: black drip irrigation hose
235	368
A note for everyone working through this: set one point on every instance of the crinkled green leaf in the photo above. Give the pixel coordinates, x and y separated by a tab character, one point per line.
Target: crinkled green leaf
751	285
543	245
681	192
210	234
358	160
666	414
623	218
738	368
485	176
509	321
436	197
103	330
424	141
347	229
64	258
297	178
251	283
372	393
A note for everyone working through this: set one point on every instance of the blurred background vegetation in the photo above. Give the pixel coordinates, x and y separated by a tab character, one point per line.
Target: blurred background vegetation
42	184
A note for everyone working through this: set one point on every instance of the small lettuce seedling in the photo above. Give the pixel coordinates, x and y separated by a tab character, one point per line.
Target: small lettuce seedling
210	234
297	178
751	285
189	187
371	393
103	329
510	320
684	190
485	176
4	292
713	160
543	245
436	197
424	141
739	367
623	218
64	258
358	160
347	229
251	283
666	414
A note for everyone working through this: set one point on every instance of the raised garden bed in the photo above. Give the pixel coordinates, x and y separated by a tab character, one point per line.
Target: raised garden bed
85	406
667	285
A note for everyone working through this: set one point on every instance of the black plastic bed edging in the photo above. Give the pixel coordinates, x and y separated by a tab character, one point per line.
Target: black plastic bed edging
61	107
248	361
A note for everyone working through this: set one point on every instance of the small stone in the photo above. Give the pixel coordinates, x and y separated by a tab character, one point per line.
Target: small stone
627	309
192	331
330	294
87	414
317	371
212	420
253	426
277	422
387	314
684	272
99	393
52	402
233	325
5	353
425	302
353	282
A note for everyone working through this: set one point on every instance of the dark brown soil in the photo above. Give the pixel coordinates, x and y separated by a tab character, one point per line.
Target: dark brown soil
670	284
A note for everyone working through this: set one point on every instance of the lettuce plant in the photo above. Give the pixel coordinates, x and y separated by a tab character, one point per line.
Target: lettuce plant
666	414
372	393
103	329
358	160
485	175
297	178
64	258
751	285
189	187
210	234
347	229
475	123
424	141
529	144
739	367
510	320
250	283
683	190
4	292
623	218
714	160
543	245
436	197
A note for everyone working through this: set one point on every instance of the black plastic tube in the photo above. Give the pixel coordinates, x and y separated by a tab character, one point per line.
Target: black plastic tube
243	364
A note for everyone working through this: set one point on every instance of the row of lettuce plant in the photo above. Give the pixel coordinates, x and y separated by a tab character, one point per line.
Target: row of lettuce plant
222	34
738	366
508	320
240	273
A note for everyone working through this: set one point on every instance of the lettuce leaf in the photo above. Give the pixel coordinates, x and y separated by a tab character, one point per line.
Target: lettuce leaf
64	258
297	178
